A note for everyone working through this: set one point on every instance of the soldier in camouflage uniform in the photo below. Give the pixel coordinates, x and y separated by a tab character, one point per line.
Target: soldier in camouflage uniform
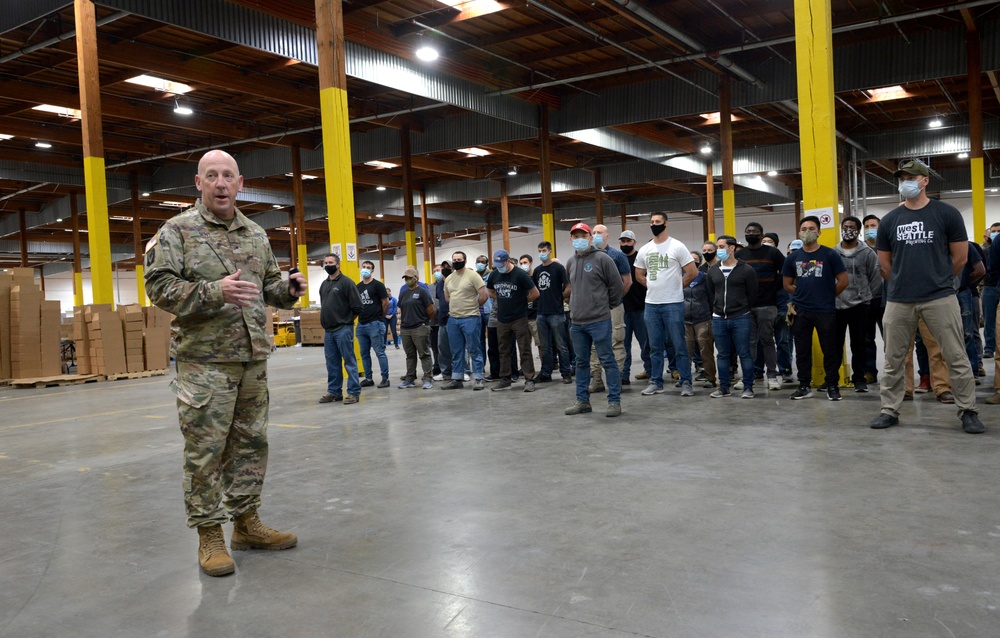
213	268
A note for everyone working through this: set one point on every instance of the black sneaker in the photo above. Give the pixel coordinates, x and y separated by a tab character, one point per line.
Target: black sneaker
384	383
833	393
567	380
454	384
626	382
804	392
883	421
971	423
367	383
503	385
860	386
543	378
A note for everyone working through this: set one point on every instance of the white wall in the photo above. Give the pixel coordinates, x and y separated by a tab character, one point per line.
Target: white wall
684	227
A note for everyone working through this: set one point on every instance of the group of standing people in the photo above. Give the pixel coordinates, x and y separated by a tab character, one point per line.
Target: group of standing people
213	269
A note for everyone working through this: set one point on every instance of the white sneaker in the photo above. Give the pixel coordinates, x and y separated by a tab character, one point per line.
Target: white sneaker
439	377
774	383
738	386
467	378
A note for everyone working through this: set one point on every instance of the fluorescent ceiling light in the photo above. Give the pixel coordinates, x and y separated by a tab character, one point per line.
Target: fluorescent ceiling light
380	188
167	86
512	171
276	206
175	204
43	145
381	164
963	156
935	123
145	195
4	137
305	176
120	218
59	219
427	54
772	173
706	150
380	215
182	109
61	111
474	150
284	228
479	201
886	93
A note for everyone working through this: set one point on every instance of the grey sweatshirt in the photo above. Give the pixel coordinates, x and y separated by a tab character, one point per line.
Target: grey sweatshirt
596	286
863	275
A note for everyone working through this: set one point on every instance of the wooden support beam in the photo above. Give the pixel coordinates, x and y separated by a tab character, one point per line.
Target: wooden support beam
77	258
425	237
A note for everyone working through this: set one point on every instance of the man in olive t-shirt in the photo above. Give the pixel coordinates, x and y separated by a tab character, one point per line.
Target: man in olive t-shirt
465	292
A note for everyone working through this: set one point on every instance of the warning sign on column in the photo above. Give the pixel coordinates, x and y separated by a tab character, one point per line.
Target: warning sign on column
352	252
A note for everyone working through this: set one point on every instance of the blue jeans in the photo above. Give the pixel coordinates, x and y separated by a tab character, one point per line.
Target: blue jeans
372	335
990	298
338	346
597	334
733	332
392	328
465	333
551	332
666	321
635	324
965	302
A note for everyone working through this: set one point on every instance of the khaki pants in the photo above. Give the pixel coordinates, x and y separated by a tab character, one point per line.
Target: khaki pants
506	334
699	337
939	371
944	321
417	345
617	344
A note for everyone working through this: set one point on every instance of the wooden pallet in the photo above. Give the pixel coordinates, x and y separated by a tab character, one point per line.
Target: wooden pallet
59	380
134	375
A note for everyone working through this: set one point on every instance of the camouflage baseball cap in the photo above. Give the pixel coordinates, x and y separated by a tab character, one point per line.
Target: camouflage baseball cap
913	167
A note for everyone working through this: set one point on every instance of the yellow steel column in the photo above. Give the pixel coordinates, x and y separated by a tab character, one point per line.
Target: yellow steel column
98	237
302	258
137	245
817	126
336	134
408	222
336	139
77	258
726	142
545	172
976	132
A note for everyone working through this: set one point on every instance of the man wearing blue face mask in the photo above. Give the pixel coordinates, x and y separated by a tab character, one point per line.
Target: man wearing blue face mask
595	287
512	290
875	310
600	234
922	245
371	325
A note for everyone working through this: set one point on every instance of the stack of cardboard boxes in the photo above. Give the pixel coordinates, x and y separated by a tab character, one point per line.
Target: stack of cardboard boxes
133	324
105	341
156	338
310	327
29	328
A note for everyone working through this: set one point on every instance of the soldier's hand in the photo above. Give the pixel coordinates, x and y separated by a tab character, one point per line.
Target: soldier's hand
240	293
300	290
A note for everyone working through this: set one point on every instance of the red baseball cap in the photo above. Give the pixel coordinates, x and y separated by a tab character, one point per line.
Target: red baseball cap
581	226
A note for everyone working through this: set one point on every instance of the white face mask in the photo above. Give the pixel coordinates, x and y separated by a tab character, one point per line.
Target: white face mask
525	267
909	189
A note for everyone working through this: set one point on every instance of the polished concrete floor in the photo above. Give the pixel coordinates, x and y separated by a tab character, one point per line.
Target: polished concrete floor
430	513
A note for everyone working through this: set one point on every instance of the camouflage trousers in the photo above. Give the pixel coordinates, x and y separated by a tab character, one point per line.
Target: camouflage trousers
222	408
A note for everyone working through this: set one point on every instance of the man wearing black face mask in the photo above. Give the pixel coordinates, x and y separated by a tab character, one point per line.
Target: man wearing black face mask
864	279
634	302
340	305
767	262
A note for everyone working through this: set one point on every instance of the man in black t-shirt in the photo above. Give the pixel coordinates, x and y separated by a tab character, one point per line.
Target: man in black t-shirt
416	310
767	262
922	245
550	279
511	289
371	325
814	275
634	303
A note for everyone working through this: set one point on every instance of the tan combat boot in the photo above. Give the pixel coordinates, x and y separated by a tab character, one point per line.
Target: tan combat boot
212	554
250	533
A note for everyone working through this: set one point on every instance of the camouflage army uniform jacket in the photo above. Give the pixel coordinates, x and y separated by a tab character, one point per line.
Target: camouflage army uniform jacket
185	262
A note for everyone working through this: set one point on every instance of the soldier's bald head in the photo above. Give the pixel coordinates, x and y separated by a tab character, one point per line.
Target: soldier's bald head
219	182
214	156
